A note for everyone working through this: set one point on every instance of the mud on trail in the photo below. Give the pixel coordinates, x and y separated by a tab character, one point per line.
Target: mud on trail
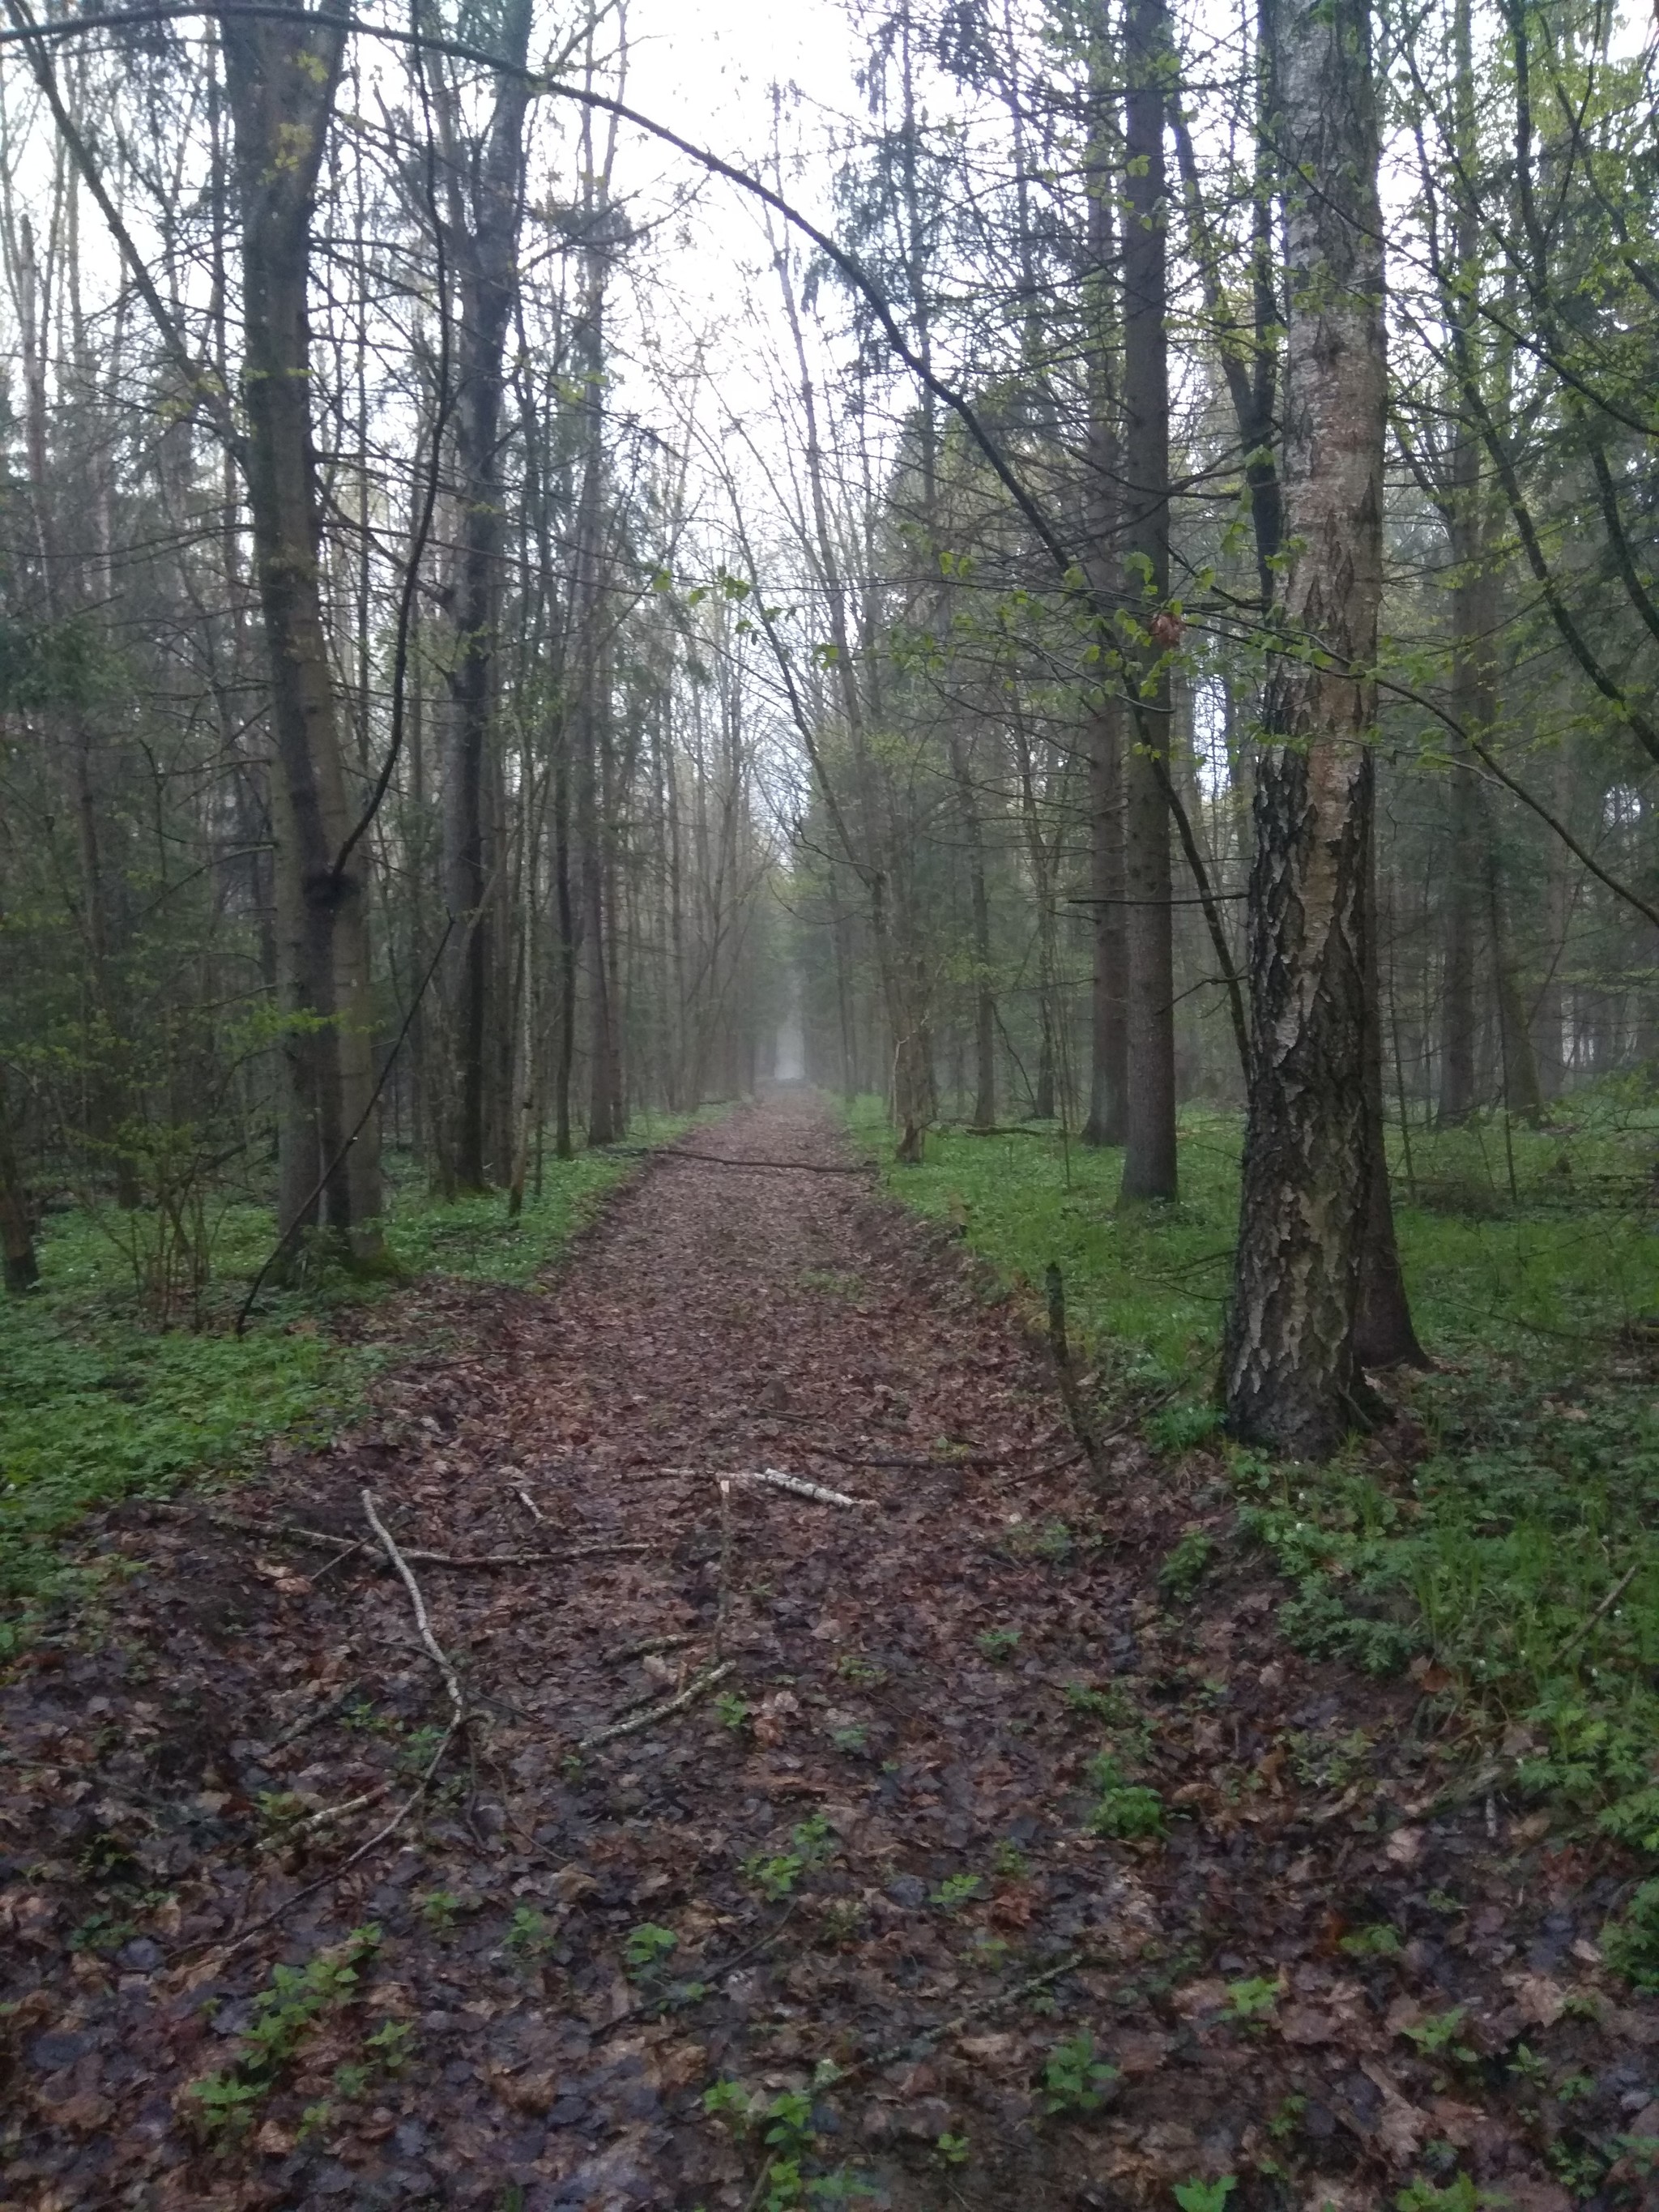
994	1872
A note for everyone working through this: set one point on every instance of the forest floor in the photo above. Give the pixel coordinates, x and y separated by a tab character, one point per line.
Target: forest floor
987	1856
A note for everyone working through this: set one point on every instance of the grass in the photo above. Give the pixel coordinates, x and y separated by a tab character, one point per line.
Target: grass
1520	1554
97	1405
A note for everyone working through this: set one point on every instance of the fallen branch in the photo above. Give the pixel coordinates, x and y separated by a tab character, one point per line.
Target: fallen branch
434	1650
916	2044
314	1718
293	1532
655	1713
799	1487
1606	1606
381	1836
651	1644
531	1506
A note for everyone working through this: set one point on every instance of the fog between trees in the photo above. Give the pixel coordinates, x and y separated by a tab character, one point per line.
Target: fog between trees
1183	630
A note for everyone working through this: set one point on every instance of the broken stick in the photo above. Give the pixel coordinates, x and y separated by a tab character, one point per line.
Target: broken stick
656	1712
799	1487
434	1650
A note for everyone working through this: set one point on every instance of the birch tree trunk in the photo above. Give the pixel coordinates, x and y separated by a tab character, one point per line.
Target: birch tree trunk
1291	1371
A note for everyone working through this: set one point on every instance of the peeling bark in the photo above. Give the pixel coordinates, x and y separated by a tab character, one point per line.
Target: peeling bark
1291	1374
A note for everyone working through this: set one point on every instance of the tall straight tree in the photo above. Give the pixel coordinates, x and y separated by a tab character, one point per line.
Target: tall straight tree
1149	1160
484	197
1291	1374
281	73
1108	1042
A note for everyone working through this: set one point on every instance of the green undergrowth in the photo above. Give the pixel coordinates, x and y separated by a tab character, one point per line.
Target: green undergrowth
96	1404
1514	1562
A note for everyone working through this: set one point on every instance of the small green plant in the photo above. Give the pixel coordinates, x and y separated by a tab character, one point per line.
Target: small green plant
102	1932
854	1667
1437	2036
725	2099
1186	1567
1075	2078
775	1875
1009	1863
730	1710
840	1920
1527	2064
1288	2118
998	1643
1459	2195
1630	1944
529	1934
1197	2196
988	1952
1378	1941
1040	1539
951	2150
279	1813
1126	1810
1251	2003
814	1841
225	2101
1176	1429
1579	2167
1099	1704
438	1909
852	1739
956	1891
646	1948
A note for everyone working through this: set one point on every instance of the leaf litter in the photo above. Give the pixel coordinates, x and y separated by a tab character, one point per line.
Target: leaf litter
950	1851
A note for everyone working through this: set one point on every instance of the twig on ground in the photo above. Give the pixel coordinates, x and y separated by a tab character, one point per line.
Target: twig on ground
381	1836
715	1973
655	1713
1606	1606
346	1552
799	1487
651	1644
720	1599
531	1506
329	1812
314	1718
294	1532
434	1650
915	2044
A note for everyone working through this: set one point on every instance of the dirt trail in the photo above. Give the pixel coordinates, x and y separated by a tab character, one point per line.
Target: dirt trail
884	1823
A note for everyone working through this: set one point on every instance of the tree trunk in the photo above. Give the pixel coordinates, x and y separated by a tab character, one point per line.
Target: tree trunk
985	1006
1149	1160
1291	1369
1109	1067
22	1271
486	194
280	78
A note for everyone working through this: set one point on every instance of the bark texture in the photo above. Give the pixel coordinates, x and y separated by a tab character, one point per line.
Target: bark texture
1149	1160
280	77
485	200
1291	1374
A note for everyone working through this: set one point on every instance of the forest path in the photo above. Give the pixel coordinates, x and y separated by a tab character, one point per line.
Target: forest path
885	1825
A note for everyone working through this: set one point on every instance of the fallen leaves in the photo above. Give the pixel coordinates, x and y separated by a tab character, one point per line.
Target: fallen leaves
919	1807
